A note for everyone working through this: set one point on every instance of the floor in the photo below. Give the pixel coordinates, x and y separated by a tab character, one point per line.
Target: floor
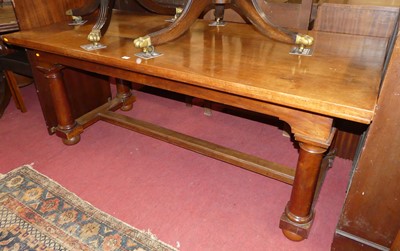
187	200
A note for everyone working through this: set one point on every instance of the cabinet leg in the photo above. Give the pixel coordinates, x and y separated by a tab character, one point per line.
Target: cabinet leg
297	219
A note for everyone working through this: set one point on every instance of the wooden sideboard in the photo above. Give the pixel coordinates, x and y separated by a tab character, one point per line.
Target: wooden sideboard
370	216
370	219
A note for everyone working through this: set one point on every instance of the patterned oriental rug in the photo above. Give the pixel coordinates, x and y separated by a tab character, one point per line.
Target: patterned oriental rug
36	213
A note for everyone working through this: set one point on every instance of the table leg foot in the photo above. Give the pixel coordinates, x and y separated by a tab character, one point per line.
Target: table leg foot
126	108
124	94
297	219
294	231
292	236
72	141
70	135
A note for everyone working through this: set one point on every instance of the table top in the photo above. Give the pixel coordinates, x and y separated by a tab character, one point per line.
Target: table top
341	79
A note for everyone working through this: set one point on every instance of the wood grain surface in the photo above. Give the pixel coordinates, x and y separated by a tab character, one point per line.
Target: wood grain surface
340	80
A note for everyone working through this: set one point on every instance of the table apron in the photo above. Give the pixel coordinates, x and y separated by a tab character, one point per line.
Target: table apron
306	126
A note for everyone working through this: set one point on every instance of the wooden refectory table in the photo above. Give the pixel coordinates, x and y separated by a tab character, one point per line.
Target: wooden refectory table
233	65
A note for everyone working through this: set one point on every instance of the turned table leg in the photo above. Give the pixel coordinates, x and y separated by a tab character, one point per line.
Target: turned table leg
297	219
67	128
260	20
124	94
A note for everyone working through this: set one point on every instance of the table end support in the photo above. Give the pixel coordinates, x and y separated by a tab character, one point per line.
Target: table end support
67	129
297	219
70	135
295	231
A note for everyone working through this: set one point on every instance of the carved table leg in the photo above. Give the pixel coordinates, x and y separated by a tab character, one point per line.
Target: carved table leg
105	12
297	219
103	21
192	11
67	128
259	19
249	8
314	134
124	93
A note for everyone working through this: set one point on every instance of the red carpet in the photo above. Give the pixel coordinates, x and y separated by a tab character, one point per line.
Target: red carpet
184	198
